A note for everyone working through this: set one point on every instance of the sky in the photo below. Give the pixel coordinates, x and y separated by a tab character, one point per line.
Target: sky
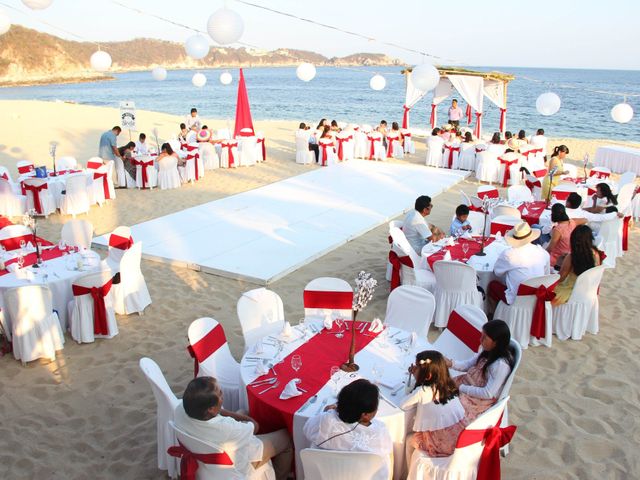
517	33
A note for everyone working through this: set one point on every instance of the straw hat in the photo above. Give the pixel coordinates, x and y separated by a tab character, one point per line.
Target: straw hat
521	234
204	135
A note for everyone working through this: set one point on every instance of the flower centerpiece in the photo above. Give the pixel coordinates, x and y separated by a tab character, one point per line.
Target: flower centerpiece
365	286
486	206
29	221
52	151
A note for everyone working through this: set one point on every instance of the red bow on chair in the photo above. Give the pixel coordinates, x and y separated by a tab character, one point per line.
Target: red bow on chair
324	147
143	168
533	184
451	149
264	149
396	263
372	146
229	146
35	191
100	326
543	294
121	243
625	233
105	183
390	141
195	158
340	142
206	346
189	460
507	169
493	438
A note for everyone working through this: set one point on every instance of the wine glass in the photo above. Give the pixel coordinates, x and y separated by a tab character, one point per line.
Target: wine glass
335	379
340	326
23	244
20	260
465	249
296	362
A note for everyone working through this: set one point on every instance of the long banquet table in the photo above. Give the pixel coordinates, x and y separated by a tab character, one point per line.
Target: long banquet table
618	158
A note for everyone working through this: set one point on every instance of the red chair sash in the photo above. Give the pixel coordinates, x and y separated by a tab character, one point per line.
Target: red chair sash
340	142
478	150
13	243
451	149
188	148
390	141
531	184
464	331
100	326
105	183
5	176
195	163
625	233
543	294
24	169
372	145
35	191
396	263
206	346
500	228
324	147
264	149
189	460
493	438
507	169
143	169
327	299
408	134
229	146
493	193
94	165
121	243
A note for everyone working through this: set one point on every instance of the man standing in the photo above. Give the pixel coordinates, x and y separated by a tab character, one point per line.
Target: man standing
108	148
455	113
193	120
416	228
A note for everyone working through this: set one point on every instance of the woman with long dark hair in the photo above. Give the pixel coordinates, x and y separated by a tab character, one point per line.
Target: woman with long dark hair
559	246
555	162
602	199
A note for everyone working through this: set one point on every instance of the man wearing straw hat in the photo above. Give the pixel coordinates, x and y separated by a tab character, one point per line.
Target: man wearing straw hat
519	263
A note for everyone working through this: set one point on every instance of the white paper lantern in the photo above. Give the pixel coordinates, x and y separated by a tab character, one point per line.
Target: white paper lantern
548	104
306	72
159	73
225	26
101	61
425	77
197	46
37	4
622	113
199	80
377	82
5	22
225	78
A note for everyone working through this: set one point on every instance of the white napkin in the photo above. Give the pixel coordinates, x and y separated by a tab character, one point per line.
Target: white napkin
261	367
30	246
498	235
286	330
447	256
450	242
13	267
525	211
290	390
376	326
328	322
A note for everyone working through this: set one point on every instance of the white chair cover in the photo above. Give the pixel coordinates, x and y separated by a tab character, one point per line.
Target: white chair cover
97	191
209	156
375	139
487	191
247	150
518	315
319	298
504	223
76	197
456	285
348	145
514	169
435	158
131	294
321	464
394	147
81	312
451	341
261	313
166	403
410	308
330	150
47	202
77	233
611	235
451	149
487	167
188	170
25	167
304	156
66	163
519	193
121	174
360	144
114	255
220	364
392	224
409	145
35	331
467	158
626	178
562	191
417	275
168	176
11	204
580	313
506	211
476	220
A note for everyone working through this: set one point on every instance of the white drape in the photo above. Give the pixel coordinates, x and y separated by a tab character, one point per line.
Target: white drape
412	96
471	88
494	91
441	92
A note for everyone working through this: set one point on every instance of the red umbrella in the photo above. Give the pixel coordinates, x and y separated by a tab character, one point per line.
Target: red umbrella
243	111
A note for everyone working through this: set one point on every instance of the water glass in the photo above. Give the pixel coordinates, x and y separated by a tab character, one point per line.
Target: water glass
20	260
465	249
23	244
296	362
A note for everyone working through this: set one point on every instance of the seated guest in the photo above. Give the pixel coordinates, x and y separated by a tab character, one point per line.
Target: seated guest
184	131
602	199
582	256
445	132
519	263
350	425
167	151
416	228
200	414
507	137
487	371
539	141
495	145
382	128
141	145
572	204
468	137
558	245
334	126
327	133
460	225
304	132
126	153
192	135
395	132
440	416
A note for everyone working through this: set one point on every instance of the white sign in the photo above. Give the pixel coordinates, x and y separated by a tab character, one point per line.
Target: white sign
128	115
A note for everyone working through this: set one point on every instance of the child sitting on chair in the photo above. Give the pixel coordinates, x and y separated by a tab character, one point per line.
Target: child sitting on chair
460	225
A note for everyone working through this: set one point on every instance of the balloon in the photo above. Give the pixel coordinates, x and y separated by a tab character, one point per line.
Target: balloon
306	71
199	80
101	61
622	113
37	4
159	73
225	78
5	22
225	26
197	46
377	82
548	104
425	77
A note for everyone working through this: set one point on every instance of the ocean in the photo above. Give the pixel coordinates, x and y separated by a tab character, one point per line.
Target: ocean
345	95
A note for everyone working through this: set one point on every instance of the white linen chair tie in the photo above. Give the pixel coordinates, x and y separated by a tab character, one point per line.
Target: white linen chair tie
91	313
131	294
321	464
261	313
168	175
461	338
410	308
456	285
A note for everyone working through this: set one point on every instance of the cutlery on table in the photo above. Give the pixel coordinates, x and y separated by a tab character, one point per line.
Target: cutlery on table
397	390
267	381
269	388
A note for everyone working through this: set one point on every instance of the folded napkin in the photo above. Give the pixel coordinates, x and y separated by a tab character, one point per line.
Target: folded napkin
286	330
447	256
328	322
376	326
261	367
498	235
450	242
525	211
291	390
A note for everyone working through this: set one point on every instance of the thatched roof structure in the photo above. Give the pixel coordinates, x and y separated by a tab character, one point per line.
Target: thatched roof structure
503	77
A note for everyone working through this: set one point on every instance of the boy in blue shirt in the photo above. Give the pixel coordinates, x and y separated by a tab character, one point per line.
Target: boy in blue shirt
460	225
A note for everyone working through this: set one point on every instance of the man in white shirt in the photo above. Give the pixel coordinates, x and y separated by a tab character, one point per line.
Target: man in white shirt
455	113
519	263
539	141
193	120
416	228
304	132
141	145
201	415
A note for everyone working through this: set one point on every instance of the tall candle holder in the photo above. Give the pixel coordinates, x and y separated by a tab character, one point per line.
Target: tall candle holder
52	151
29	221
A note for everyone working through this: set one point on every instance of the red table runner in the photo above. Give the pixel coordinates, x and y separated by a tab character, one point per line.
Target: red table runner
456	251
5	222
31	258
319	354
534	210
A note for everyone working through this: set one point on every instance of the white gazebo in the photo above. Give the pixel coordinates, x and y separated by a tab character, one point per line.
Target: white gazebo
471	85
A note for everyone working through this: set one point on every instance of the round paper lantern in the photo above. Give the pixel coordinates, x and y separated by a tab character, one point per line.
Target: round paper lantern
101	61
622	113
425	77
225	26
377	82
548	104
199	80
159	73
306	71
37	4
197	46
225	78
5	22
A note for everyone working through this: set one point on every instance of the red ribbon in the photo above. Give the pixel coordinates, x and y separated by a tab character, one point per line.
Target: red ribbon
105	183
625	233
340	142
23	169
327	299
35	191
195	162
468	113
264	149
5	176
503	118
478	129
143	167
532	184
464	331
507	170
396	264
324	147
432	119
13	243
121	243
100	326
229	146
493	193
93	165
451	149
405	116
372	142
206	346
493	438
543	294
189	460
188	148
478	150
390	141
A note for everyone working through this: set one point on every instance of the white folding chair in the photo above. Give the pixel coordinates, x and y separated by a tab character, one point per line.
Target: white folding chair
410	308
66	163
461	339
77	233
39	197
83	324
327	296
168	175
131	295
166	403
611	235
580	313
261	313
75	199
435	157
519	193
209	156
519	314
304	156
34	327
411	276
321	464
213	358
456	285
11	204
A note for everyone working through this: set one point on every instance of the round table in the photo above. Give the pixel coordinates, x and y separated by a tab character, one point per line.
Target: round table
56	184
390	353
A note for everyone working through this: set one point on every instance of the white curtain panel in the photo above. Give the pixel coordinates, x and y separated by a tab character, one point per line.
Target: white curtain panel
413	95
494	91
470	88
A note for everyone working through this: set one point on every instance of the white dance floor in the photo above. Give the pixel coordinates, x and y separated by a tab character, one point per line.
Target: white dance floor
264	234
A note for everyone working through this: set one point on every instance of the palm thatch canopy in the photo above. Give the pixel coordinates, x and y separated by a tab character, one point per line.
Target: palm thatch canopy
444	71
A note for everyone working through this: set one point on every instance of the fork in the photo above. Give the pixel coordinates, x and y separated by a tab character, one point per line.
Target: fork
267	381
269	388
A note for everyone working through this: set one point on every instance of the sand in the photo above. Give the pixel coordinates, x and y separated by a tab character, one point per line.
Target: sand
91	413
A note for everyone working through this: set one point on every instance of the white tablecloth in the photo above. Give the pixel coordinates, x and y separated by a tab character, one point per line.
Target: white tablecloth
618	159
57	184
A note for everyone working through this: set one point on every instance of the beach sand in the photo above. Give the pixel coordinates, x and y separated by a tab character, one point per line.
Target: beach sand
91	413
